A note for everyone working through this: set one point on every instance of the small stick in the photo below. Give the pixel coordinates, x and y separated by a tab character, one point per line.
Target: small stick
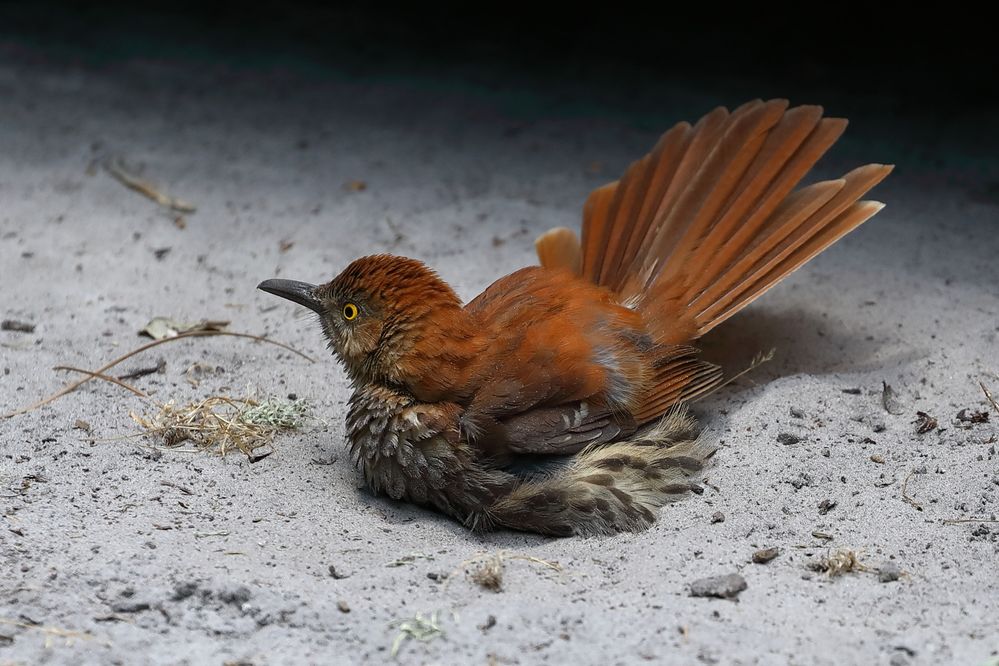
757	361
958	521
97	375
142	372
193	334
146	189
905	495
989	396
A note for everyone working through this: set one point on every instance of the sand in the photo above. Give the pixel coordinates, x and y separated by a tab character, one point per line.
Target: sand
103	562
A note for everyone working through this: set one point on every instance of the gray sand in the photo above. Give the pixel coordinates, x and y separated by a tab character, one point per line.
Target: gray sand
239	569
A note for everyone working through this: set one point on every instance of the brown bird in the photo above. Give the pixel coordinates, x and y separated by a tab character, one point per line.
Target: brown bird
549	403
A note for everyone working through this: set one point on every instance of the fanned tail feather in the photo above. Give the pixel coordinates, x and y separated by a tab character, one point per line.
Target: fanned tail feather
710	220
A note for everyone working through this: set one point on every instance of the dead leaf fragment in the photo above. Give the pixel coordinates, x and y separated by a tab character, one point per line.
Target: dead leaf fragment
924	423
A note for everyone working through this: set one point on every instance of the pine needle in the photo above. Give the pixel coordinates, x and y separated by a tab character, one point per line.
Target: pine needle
758	360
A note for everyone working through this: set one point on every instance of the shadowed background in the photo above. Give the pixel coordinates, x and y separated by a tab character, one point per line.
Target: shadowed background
473	133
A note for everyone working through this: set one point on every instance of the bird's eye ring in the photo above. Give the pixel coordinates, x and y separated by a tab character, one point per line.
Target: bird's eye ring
350	312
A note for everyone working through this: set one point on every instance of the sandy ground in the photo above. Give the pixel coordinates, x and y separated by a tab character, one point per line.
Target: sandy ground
102	562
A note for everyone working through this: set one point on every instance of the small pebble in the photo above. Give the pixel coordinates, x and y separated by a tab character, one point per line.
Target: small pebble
130	606
878	459
342	606
787	438
721	587
825	506
765	555
889	572
717	517
17	326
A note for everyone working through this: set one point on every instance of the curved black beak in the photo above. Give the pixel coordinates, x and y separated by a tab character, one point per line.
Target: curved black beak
302	293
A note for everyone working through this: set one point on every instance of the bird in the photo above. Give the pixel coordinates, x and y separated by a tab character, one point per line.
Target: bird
555	401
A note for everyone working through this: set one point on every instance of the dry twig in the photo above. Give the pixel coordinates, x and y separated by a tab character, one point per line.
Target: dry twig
758	360
98	375
69	388
989	396
147	189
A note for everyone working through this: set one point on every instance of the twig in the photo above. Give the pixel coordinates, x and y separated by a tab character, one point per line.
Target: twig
50	632
905	495
989	396
142	372
97	375
146	189
958	521
194	334
757	361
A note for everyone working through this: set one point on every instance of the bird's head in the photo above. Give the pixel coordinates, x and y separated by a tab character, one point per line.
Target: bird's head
375	313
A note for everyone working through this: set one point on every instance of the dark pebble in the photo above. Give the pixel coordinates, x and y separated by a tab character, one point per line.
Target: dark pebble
237	596
18	326
182	591
130	606
787	438
721	587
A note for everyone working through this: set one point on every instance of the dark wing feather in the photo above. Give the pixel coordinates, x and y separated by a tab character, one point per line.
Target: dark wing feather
563	430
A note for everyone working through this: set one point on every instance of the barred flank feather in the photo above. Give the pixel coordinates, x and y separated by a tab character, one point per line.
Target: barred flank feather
610	487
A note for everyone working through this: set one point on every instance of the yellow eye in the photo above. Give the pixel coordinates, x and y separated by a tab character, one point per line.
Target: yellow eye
350	312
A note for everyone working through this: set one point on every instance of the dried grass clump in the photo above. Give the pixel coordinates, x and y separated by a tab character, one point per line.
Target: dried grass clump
490	574
418	628
222	424
839	562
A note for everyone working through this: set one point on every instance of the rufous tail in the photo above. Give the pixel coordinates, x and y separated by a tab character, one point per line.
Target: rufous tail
710	220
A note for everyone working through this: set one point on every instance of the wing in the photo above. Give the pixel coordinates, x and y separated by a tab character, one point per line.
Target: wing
563	430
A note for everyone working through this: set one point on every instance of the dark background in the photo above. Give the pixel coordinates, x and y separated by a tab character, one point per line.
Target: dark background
938	58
